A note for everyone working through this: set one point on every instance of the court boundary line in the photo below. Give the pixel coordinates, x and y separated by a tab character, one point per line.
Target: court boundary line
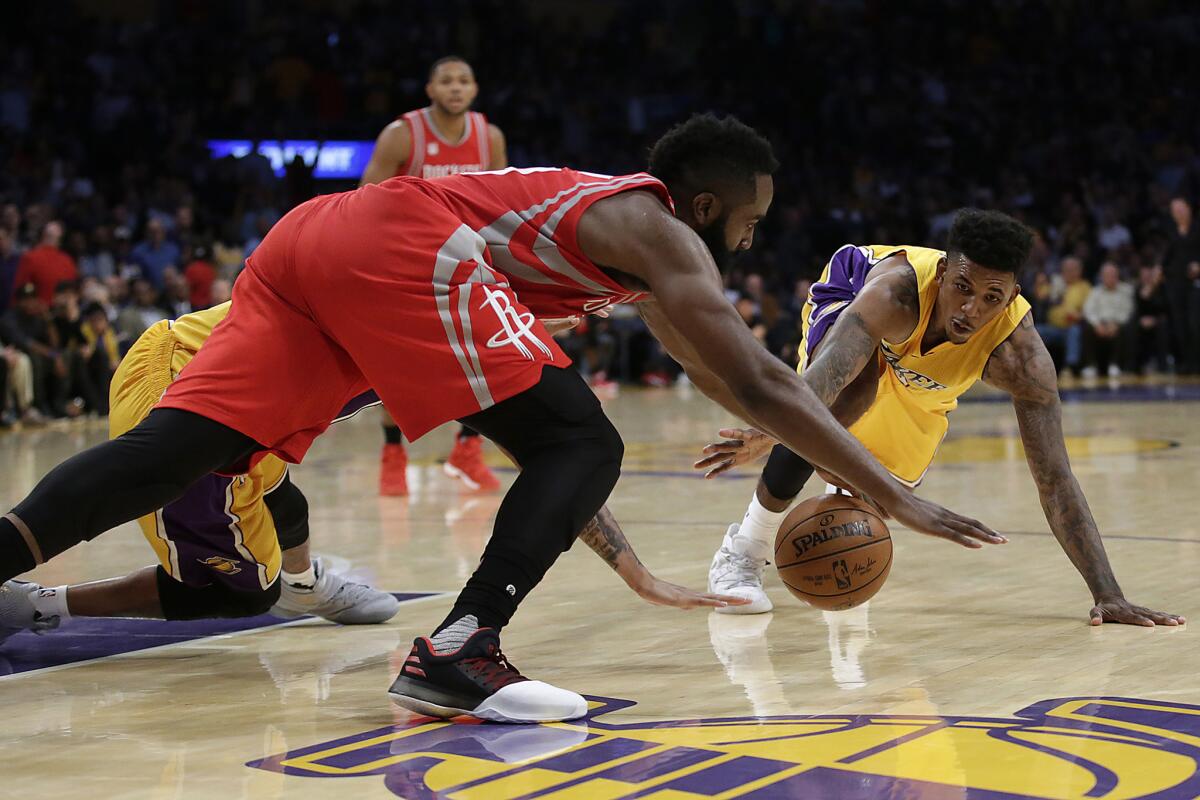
291	623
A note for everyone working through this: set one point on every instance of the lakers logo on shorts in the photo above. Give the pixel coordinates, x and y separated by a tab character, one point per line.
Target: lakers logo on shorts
225	566
1093	747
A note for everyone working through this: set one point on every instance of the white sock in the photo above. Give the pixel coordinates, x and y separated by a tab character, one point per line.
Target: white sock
51	601
304	581
455	635
760	526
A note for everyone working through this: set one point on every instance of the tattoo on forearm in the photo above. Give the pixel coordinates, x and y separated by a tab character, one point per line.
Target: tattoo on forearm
1062	499
604	536
1022	367
841	357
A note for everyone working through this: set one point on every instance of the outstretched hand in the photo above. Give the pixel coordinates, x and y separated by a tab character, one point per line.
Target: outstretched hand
1121	610
933	520
664	593
739	446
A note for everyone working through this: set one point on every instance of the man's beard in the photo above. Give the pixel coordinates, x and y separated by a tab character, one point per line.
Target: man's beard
714	239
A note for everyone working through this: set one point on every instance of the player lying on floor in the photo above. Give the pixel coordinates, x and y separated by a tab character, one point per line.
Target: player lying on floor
238	546
892	337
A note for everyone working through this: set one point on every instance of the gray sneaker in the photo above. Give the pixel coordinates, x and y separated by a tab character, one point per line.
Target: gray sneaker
336	599
17	612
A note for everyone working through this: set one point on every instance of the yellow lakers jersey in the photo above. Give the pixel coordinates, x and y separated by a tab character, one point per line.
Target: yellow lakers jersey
192	330
905	425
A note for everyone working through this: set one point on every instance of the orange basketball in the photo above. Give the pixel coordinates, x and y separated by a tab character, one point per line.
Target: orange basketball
833	552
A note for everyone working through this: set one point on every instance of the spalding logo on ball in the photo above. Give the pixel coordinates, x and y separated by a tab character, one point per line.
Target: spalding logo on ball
833	552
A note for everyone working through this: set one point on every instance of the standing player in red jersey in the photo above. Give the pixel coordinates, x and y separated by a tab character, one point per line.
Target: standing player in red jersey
430	292
444	138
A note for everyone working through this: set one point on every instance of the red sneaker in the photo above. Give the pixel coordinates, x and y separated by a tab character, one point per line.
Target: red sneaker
466	463
393	482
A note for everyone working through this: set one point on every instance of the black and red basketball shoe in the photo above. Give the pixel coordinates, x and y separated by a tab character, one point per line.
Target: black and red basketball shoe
478	681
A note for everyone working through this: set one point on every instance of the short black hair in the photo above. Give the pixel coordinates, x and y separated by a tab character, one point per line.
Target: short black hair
991	239
450	59
708	153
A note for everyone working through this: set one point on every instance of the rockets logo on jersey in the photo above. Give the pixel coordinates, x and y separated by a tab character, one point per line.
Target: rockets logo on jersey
1093	747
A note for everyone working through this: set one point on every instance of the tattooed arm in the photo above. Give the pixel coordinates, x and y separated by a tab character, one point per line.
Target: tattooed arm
604	536
887	307
1022	367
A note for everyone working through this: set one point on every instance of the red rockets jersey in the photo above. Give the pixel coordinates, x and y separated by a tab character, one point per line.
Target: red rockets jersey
432	156
527	220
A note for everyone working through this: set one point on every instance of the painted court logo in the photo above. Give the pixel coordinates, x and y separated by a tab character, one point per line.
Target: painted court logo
1090	747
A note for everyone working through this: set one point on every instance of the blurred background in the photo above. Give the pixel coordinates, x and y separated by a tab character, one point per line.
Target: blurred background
146	148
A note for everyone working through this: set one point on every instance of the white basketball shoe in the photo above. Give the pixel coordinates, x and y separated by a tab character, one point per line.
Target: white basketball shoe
337	599
737	569
17	612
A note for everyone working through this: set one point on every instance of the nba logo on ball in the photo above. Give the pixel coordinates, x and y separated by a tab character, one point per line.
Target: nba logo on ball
833	552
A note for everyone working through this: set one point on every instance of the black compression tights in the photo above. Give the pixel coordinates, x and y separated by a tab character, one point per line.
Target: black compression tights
785	473
115	482
570	458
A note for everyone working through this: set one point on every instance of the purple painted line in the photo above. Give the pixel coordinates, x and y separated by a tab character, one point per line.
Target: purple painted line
722	777
1105	780
822	782
657	764
90	638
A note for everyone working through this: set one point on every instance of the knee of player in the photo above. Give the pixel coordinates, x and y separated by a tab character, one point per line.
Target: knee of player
251	604
606	448
610	445
180	601
289	511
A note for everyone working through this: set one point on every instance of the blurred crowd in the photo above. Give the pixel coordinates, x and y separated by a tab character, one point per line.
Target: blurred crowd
1076	117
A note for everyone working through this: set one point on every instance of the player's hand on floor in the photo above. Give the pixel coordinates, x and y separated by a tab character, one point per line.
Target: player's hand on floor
664	593
740	446
933	520
1121	610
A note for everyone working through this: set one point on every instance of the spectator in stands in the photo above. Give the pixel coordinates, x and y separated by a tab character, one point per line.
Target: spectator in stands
175	296
67	319
30	329
125	267
46	265
10	221
1181	270
141	313
1113	235
155	253
98	261
16	383
183	233
99	357
9	260
200	274
222	290
1062	331
1106	312
1153	327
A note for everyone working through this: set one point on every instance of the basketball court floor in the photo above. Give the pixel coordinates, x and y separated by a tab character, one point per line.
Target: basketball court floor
972	674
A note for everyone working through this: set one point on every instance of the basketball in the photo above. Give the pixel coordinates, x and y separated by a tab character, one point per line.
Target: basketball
833	552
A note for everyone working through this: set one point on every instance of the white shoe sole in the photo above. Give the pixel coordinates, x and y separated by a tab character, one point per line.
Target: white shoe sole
496	708
759	604
455	472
